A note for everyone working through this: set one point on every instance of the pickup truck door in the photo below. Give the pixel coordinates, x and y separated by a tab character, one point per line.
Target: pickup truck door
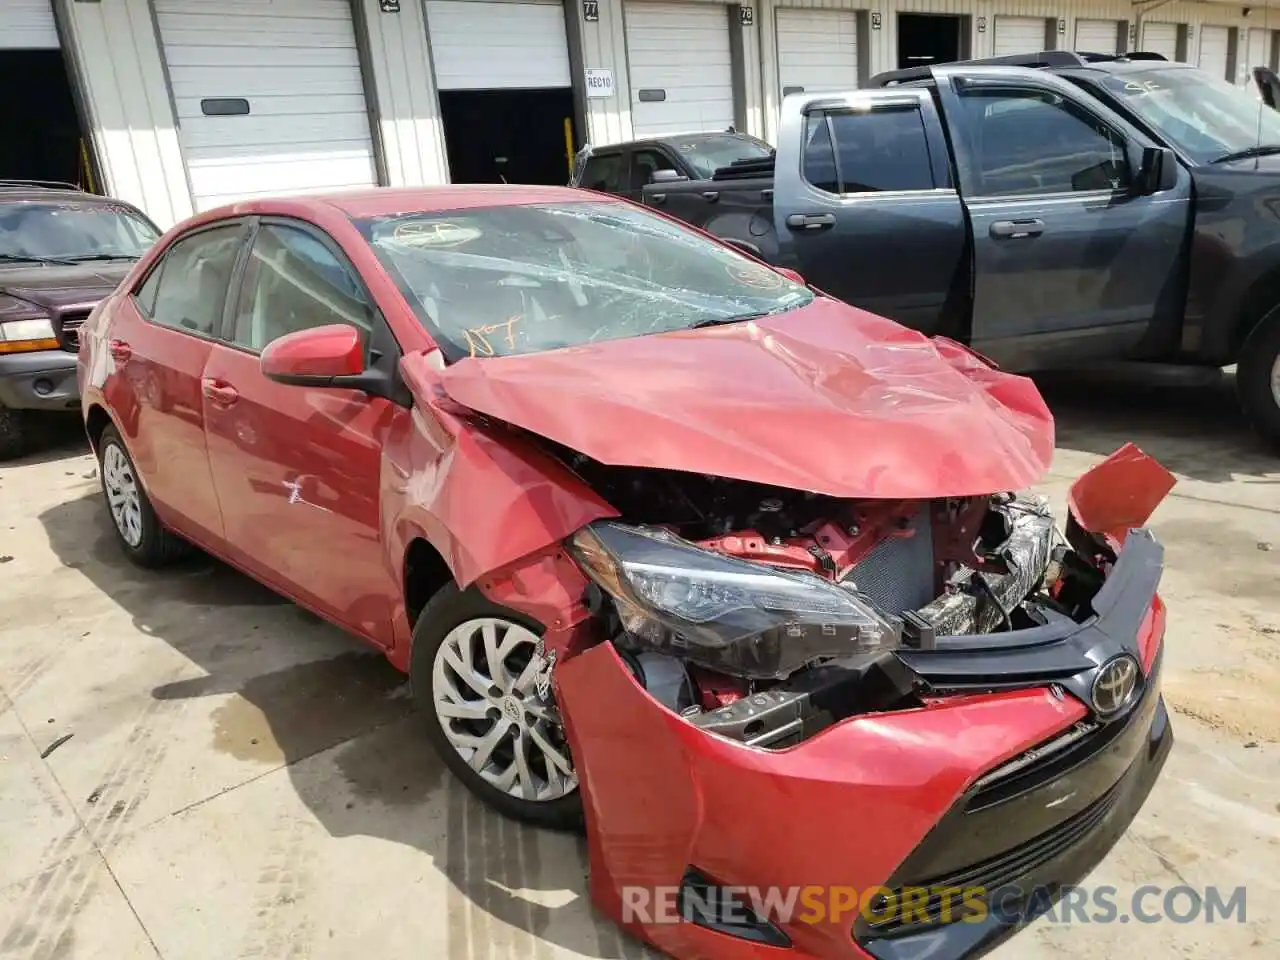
1070	263
867	210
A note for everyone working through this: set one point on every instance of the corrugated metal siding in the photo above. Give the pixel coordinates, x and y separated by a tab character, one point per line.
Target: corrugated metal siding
27	25
117	56
408	112
604	47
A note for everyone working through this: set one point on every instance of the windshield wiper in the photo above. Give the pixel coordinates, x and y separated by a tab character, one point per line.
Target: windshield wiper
86	258
1261	150
719	321
17	258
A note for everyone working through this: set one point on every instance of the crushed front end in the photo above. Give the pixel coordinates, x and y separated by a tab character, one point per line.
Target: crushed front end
768	690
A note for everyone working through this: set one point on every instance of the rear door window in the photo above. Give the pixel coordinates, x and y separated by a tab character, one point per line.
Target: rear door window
604	172
193	279
869	151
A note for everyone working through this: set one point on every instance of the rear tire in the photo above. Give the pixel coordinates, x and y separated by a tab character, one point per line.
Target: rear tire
494	711
1258	377
15	428
142	536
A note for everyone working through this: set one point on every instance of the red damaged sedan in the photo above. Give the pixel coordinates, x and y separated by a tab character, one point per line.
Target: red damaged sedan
671	546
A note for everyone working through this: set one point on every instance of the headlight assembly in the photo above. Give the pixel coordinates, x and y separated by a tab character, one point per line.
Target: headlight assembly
729	615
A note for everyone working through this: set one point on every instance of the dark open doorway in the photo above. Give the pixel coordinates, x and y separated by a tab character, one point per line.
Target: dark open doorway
925	39
516	135
40	136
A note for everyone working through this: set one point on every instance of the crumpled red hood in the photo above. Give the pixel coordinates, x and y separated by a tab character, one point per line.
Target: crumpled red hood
828	398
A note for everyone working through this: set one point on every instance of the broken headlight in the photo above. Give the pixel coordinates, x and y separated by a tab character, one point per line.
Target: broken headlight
726	614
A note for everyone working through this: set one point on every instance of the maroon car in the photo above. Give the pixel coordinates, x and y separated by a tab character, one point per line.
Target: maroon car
61	251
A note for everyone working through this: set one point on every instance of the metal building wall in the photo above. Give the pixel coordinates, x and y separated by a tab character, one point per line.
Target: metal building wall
408	110
115	58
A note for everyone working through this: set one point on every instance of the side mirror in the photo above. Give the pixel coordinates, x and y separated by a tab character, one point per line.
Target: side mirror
1157	171
667	176
329	356
792	275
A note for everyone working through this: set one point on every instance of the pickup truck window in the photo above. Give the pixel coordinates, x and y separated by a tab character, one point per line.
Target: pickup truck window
604	172
1207	118
867	151
1031	142
643	163
494	281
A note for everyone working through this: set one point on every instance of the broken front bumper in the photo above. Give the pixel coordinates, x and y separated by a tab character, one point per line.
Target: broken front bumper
992	785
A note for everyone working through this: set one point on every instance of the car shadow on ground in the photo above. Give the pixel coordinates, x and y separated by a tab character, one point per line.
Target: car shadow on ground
54	436
1190	421
345	712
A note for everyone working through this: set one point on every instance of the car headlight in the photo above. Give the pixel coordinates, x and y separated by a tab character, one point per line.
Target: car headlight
726	614
20	336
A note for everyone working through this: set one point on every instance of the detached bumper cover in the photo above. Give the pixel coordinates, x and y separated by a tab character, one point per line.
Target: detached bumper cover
44	380
879	800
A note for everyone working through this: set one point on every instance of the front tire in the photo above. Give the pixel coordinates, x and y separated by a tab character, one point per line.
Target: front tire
14	430
1258	377
474	671
141	534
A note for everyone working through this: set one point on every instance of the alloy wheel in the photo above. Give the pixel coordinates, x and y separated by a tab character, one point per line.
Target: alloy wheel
489	692
122	494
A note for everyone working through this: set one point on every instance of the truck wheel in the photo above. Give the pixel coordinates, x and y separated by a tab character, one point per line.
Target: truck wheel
1258	377
473	675
14	427
145	540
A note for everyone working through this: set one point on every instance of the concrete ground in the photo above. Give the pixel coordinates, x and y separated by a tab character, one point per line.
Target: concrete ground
244	781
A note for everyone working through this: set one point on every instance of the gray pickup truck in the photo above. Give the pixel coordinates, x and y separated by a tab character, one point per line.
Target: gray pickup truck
1049	210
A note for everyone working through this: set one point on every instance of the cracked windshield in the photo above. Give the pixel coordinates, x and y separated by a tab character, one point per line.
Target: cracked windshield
499	281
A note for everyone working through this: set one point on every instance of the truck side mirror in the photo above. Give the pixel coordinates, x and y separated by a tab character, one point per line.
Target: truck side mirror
1157	171
667	176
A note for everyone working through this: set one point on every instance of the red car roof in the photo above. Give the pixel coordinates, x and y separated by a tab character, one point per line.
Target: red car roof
382	201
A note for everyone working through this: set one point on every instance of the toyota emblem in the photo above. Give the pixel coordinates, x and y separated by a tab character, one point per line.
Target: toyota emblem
1114	685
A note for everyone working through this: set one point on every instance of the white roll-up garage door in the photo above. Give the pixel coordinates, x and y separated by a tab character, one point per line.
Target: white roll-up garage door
680	67
1259	49
1214	42
27	25
1018	35
1258	55
269	97
476	45
1160	38
1098	36
817	50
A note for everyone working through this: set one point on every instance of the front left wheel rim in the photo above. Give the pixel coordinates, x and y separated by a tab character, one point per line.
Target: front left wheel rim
123	496
485	689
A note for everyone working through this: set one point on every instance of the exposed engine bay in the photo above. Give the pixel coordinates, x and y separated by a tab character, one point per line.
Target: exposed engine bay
765	614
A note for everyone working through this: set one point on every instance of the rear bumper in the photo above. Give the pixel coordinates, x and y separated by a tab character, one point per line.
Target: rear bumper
44	380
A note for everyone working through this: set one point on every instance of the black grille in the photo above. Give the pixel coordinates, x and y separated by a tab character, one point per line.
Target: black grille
69	324
992	874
